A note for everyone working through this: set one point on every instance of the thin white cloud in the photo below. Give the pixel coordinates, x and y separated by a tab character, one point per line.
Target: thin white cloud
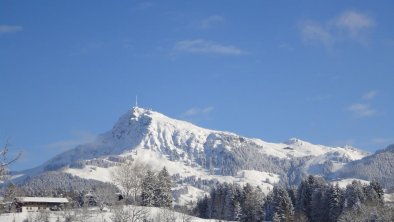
361	110
195	111
80	137
349	25
369	95
9	29
314	33
354	22
211	21
200	46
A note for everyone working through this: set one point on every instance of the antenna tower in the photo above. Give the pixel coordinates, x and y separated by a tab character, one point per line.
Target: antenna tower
136	101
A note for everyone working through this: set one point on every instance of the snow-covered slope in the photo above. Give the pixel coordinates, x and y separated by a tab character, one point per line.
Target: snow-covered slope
193	154
378	166
142	128
94	215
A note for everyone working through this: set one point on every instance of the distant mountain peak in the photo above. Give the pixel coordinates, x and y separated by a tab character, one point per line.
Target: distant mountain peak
295	141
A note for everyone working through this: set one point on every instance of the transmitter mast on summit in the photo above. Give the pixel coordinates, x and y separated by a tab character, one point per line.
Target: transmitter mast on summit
136	101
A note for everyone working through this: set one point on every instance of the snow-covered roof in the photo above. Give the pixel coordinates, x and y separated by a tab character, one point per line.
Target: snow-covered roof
42	199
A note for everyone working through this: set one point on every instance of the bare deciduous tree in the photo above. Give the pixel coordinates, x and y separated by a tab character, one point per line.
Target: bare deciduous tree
4	162
40	216
166	215
129	213
129	177
105	196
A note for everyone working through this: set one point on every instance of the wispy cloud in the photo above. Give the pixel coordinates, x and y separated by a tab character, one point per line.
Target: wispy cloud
349	25
80	137
361	110
211	21
201	46
312	32
354	22
369	95
9	29
195	111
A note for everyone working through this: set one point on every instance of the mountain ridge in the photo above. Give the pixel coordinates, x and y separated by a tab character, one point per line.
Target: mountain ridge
192	153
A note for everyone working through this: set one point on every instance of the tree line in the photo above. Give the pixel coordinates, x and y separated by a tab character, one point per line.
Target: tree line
313	200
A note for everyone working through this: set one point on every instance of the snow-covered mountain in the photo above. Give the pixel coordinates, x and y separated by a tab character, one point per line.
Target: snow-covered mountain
379	165
197	157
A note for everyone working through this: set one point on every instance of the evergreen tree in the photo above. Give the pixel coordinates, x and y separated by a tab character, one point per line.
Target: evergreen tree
268	207
229	202
335	200
276	218
237	199
319	205
237	215
148	189
354	195
251	204
305	192
375	193
162	189
278	207
293	195
202	207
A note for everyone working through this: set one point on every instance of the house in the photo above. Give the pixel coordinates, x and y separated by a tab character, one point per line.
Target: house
34	204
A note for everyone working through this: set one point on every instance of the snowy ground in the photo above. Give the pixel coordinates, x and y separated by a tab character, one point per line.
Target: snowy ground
265	180
389	197
94	215
344	182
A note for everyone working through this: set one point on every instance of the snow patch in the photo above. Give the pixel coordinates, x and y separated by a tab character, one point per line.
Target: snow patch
344	182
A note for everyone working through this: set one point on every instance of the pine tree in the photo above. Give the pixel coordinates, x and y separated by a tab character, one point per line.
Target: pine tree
305	192
202	207
278	206
162	190
319	205
229	203
237	211
148	189
335	200
276	218
268	207
375	185
354	194
251	204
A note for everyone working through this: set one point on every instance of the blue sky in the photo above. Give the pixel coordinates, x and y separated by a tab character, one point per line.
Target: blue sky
321	71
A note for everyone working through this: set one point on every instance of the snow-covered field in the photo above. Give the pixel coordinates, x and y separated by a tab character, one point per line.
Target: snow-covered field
265	180
94	215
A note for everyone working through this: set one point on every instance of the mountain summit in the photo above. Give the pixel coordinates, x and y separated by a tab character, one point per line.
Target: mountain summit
189	151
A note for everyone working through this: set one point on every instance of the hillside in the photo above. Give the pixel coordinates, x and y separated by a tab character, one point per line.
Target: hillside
196	157
378	166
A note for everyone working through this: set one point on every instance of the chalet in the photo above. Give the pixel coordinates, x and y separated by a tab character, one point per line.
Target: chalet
34	204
